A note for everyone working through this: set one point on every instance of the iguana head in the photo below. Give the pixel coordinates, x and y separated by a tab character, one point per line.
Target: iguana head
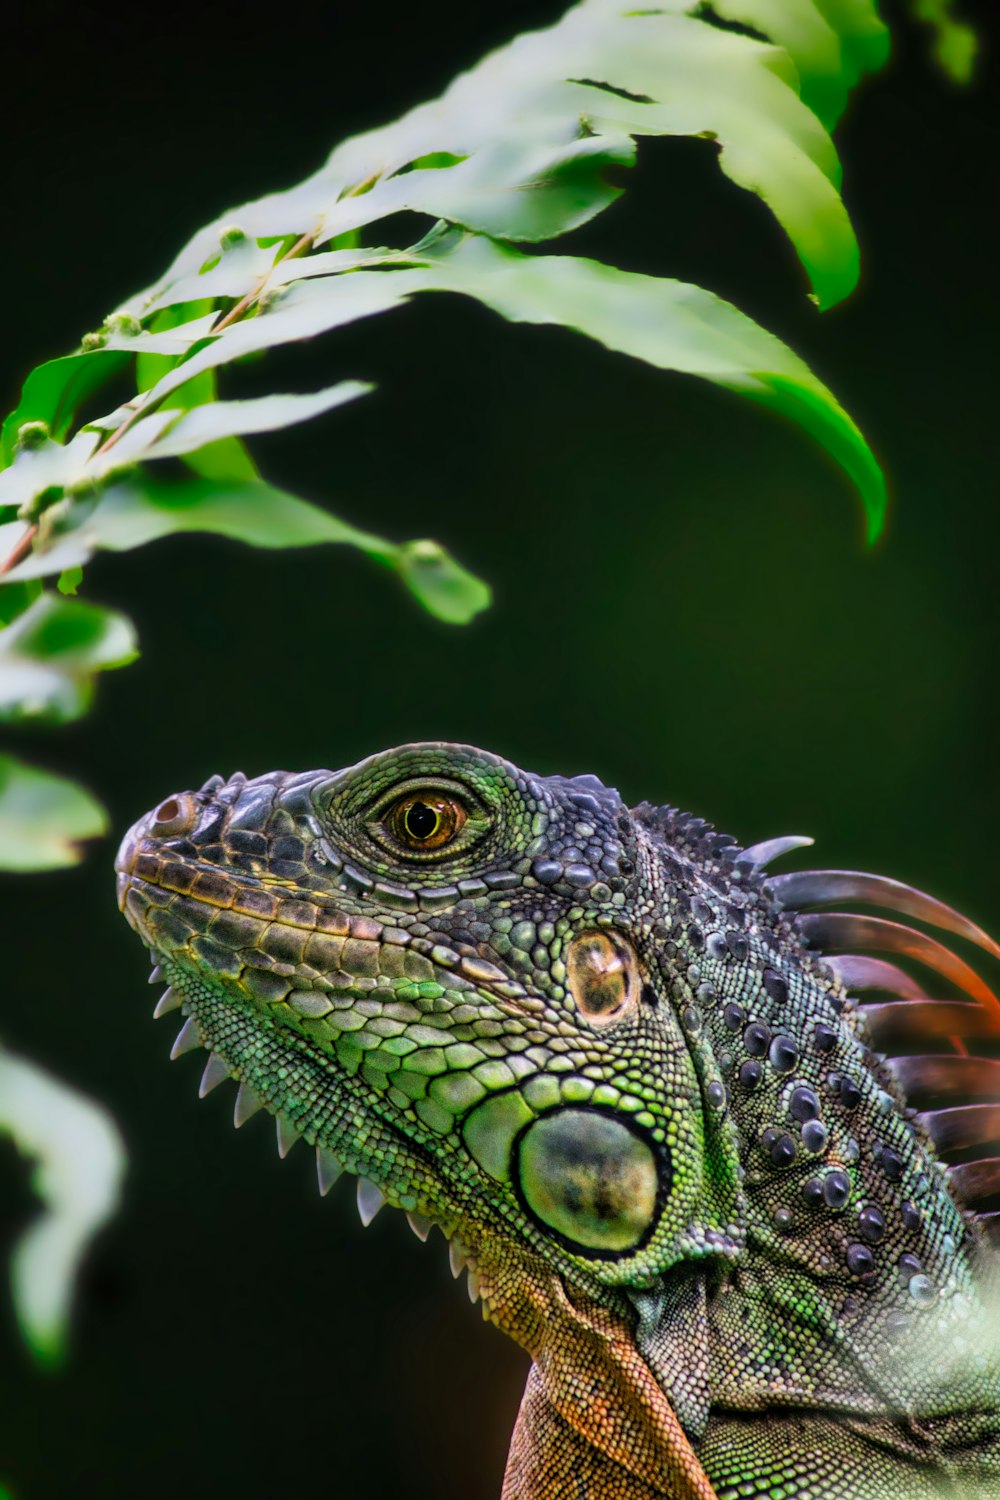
594	1045
458	980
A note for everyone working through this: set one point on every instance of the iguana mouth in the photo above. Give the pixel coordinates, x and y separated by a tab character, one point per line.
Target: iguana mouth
164	899
267	942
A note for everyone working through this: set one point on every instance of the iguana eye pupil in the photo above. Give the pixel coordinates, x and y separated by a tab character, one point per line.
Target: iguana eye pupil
421	821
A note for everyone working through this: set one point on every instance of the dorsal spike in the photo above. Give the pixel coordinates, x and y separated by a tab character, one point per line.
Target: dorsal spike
759	856
858	973
975	1181
457	1257
896	1024
829	887
838	929
155	974
963	1127
420	1225
945	1080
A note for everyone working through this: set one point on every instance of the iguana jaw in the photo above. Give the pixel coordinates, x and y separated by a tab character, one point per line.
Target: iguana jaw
280	1069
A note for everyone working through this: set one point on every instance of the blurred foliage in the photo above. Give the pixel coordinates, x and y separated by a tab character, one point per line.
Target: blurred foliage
78	1161
955	42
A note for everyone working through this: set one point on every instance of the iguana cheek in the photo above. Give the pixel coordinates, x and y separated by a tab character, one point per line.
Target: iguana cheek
593	1180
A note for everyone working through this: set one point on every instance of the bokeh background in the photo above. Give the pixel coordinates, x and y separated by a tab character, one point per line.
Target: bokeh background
683	605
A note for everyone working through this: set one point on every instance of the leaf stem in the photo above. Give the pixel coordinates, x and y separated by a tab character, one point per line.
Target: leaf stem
20	550
301	245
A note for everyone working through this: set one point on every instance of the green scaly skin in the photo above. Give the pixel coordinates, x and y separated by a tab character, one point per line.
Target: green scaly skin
589	1044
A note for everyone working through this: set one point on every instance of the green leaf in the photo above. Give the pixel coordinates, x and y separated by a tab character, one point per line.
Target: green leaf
674	326
831	42
79	1161
205	425
49	655
161	434
140	509
15	597
42	817
226	458
151	367
441	584
54	391
70	580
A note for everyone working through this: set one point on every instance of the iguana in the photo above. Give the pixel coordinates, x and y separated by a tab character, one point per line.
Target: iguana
693	1162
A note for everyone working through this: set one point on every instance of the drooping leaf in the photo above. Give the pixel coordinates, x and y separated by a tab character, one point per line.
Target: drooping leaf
674	326
49	655
43	818
671	324
78	1161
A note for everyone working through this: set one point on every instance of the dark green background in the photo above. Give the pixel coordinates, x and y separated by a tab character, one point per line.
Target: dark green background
682	605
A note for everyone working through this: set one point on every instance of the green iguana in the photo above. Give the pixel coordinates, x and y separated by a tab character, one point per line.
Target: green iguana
619	1066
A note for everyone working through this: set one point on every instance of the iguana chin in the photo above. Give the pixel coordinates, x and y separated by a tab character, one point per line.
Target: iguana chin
619	1066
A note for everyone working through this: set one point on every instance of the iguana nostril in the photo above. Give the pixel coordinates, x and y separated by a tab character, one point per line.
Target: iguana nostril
176	815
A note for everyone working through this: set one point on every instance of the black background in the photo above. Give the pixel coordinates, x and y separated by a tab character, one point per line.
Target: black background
683	605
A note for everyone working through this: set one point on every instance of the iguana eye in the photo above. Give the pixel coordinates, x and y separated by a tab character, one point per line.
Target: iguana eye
425	820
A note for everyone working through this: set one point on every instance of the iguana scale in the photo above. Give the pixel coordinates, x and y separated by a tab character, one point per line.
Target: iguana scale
689	1137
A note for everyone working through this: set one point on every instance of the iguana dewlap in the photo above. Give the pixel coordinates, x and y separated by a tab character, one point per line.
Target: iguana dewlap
618	1065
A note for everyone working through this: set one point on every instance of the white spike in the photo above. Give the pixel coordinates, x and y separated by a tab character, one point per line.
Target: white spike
155	974
370	1200
763	854
328	1169
457	1258
216	1072
420	1225
473	1285
168	1001
188	1038
248	1102
287	1135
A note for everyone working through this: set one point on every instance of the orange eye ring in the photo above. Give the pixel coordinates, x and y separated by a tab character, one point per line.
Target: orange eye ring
426	820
